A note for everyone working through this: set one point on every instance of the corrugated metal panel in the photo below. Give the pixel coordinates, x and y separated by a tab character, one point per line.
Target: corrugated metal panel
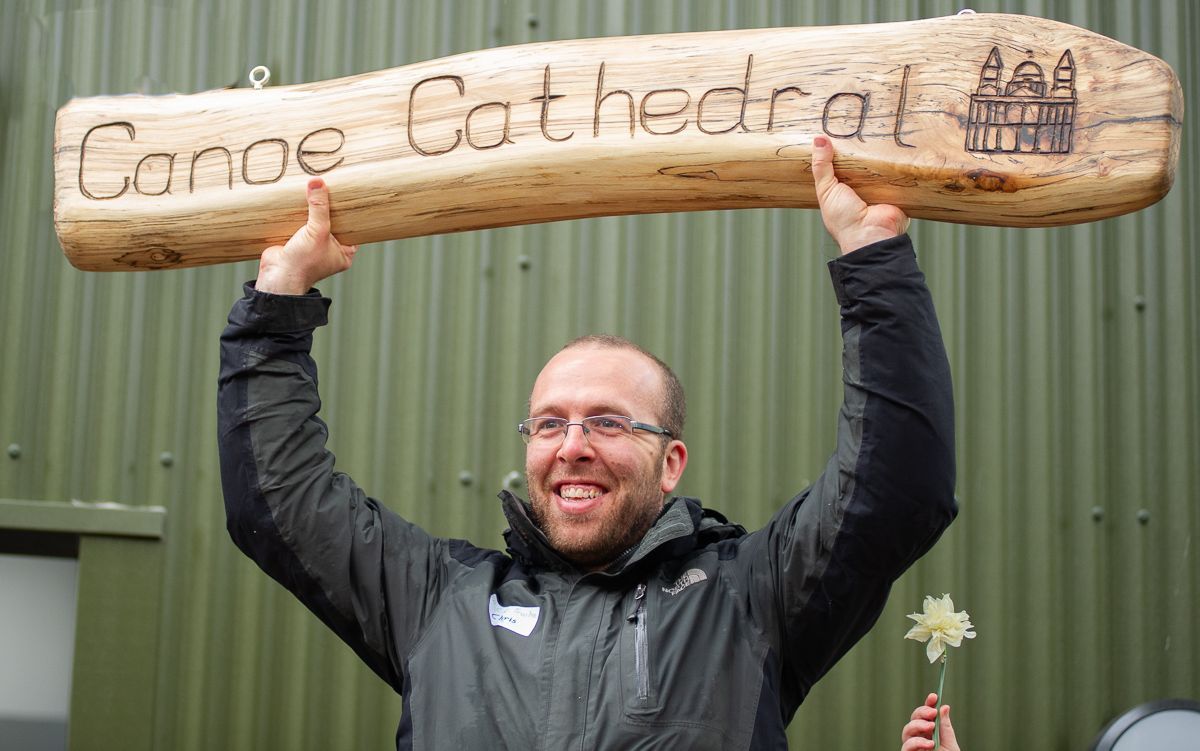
1074	351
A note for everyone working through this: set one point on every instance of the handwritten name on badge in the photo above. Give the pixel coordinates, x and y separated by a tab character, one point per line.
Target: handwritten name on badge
515	618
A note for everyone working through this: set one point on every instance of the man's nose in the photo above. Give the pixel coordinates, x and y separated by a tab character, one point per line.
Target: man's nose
575	445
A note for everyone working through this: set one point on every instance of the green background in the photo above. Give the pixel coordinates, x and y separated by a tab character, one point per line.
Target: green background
1074	351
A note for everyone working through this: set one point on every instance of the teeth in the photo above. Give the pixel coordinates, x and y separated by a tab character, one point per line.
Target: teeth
575	492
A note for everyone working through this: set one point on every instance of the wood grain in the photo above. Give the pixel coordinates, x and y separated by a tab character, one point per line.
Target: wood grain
978	119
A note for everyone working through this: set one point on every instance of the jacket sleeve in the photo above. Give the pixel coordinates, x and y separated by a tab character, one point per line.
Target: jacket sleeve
830	555
369	575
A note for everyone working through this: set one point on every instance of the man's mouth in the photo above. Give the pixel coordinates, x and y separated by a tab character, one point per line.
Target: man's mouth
578	498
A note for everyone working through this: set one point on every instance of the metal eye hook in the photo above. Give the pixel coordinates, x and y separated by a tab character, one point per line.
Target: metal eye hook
260	75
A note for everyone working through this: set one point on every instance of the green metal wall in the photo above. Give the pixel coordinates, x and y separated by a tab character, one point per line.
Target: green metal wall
1075	354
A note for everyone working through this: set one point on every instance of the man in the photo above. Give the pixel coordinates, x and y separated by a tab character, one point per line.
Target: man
612	621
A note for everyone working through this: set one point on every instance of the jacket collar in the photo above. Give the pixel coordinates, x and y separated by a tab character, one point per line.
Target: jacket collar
683	526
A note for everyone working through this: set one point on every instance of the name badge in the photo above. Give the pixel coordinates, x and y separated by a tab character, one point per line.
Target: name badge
515	618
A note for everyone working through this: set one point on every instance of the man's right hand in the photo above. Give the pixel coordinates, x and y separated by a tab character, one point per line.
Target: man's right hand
312	254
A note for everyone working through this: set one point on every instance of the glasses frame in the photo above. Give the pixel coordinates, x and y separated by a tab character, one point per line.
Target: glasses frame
527	437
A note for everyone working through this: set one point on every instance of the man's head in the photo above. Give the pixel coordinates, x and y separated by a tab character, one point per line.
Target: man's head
596	497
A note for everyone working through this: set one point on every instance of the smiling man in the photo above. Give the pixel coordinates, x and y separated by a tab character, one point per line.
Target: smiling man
596	490
618	616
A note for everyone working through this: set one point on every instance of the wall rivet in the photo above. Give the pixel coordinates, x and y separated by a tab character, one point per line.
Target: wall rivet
465	478
1139	302
1143	516
532	21
525	262
1097	513
14	451
513	480
166	458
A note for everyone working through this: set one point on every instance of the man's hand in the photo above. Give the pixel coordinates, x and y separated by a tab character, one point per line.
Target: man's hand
918	733
848	218
312	254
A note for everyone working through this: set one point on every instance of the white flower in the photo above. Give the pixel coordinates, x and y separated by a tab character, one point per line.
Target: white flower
939	626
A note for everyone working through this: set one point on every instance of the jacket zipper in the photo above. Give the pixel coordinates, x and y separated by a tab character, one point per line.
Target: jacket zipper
640	647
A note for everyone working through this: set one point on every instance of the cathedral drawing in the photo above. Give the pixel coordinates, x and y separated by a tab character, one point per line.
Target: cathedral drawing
1026	115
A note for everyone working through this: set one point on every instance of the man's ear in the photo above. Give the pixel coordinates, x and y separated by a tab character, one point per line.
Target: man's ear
674	461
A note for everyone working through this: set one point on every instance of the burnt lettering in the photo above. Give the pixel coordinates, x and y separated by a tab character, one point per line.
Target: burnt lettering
1031	111
412	98
283	146
601	98
303	154
545	99
196	157
744	90
83	157
775	94
863	104
137	174
900	110
647	116
503	134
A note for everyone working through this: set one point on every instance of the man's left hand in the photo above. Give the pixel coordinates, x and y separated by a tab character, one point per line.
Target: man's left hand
852	222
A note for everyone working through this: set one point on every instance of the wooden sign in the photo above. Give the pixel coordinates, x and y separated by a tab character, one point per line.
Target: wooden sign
976	118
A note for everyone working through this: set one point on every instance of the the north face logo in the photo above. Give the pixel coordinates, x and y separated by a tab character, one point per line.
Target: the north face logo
690	577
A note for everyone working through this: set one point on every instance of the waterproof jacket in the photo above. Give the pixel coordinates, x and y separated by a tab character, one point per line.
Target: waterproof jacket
702	637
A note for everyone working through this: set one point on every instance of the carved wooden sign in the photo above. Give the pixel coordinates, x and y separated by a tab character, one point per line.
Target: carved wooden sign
977	118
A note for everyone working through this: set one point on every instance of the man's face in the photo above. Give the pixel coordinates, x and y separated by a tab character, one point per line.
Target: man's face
595	502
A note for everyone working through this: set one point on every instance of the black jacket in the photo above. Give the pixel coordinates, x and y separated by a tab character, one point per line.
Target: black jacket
704	637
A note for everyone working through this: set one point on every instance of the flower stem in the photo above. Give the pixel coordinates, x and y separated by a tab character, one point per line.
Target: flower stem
937	712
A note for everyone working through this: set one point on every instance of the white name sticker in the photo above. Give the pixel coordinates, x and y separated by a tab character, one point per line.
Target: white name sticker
515	618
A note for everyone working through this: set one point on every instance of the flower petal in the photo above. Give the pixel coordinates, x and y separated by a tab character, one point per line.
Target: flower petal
934	649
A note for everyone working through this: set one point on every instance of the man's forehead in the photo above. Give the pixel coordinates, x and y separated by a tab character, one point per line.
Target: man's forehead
608	377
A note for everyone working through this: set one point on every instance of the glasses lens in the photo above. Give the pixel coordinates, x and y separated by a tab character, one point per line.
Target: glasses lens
542	428
608	426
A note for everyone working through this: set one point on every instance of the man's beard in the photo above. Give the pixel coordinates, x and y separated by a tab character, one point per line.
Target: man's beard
625	521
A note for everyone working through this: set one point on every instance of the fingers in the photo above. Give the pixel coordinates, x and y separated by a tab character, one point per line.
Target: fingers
318	207
918	733
926	710
917	729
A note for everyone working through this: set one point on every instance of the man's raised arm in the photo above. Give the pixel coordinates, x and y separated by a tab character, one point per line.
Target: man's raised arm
369	575
887	492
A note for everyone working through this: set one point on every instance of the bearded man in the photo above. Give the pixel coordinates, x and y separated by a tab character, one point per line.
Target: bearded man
618	616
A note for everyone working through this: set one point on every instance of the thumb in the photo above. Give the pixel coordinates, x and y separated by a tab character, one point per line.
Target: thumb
318	208
947	738
822	167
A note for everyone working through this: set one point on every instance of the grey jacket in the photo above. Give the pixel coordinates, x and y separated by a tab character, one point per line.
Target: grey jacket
703	637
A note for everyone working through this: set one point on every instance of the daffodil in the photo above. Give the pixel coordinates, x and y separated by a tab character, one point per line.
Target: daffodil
940	627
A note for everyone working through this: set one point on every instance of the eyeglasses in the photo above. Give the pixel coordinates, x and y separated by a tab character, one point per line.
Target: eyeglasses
597	428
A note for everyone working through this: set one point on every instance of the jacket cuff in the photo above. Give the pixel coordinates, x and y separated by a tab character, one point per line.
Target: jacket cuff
857	272
268	313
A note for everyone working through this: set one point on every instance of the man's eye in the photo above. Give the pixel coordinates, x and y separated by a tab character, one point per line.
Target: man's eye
551	424
610	424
